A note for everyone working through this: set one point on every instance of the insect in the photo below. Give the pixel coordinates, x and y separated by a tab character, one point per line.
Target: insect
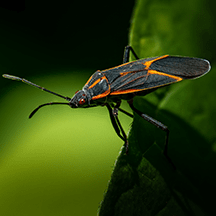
124	82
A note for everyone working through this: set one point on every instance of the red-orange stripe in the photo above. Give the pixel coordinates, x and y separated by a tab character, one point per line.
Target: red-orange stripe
101	95
104	94
148	63
164	74
118	92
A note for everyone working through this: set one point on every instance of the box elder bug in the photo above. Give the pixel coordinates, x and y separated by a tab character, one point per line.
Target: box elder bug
130	79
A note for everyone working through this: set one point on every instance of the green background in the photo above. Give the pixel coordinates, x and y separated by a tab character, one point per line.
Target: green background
60	161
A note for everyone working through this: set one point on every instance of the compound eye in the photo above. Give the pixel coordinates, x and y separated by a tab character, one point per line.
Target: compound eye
81	101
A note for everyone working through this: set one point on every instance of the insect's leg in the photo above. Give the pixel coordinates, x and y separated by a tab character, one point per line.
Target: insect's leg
127	54
117	125
125	112
116	108
113	120
157	124
115	114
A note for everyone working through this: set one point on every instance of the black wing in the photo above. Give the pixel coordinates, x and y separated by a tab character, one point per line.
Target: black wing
153	73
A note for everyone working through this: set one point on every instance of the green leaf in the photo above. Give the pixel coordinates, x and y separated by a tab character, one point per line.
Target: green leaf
144	182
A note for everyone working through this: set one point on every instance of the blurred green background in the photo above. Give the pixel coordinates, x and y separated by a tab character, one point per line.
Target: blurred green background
60	161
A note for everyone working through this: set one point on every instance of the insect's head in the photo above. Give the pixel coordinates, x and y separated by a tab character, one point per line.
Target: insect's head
80	99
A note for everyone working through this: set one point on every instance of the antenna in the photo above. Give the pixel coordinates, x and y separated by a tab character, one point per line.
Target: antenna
33	84
51	103
42	88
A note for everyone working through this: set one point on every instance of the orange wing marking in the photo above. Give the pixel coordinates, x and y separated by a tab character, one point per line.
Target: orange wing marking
125	91
116	66
164	74
177	79
101	95
148	63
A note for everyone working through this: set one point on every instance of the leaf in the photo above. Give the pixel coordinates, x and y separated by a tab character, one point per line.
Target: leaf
133	194
143	182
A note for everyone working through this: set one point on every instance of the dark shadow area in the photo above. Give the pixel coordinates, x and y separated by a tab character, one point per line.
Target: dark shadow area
195	175
40	35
